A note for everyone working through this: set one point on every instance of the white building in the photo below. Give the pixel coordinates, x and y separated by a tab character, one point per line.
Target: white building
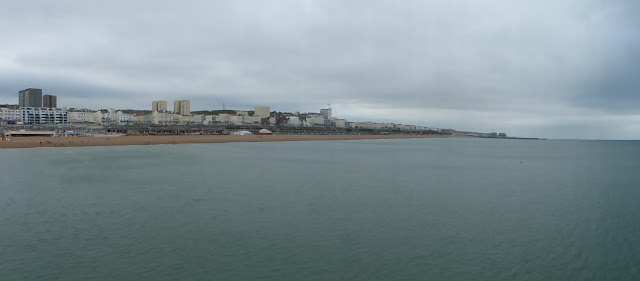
191	119
159	118
294	121
11	114
235	119
83	116
251	120
209	119
216	119
44	115
361	125
262	112
371	125
223	118
314	120
125	117
112	116
99	117
326	113
340	123
410	127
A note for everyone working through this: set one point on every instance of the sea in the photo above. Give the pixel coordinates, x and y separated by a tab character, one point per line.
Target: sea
404	209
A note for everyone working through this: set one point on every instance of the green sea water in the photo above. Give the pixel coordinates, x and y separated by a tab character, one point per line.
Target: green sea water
415	209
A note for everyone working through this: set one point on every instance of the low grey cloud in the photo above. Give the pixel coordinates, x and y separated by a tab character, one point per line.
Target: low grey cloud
539	68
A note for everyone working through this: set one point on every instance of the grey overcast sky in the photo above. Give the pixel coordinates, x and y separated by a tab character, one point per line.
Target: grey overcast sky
555	69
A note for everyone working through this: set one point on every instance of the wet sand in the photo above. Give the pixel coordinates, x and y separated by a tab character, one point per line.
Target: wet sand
31	142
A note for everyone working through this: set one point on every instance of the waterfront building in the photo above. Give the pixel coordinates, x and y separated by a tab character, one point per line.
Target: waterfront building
262	112
373	125
191	119
294	121
30	98
251	120
11	114
43	115
361	125
98	117
215	119
326	113
339	123
235	119
114	116
182	107
159	106
314	120
406	127
137	119
223	118
125	117
81	116
159	118
49	101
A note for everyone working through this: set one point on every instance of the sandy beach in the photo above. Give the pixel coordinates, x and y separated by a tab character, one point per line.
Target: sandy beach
32	142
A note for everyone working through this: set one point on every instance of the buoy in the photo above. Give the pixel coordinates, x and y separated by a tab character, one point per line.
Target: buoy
521	161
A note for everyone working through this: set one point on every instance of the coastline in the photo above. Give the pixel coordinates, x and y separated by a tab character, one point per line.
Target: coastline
36	142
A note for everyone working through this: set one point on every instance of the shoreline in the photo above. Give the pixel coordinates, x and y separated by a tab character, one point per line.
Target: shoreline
40	142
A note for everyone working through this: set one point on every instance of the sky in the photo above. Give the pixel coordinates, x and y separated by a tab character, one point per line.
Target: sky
552	69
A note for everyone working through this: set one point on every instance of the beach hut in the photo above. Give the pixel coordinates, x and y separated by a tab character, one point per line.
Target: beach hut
265	132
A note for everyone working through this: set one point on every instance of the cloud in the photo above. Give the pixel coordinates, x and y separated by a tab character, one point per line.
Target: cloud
503	65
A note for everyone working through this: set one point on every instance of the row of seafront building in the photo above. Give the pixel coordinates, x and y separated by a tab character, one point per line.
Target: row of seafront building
34	108
31	115
30	111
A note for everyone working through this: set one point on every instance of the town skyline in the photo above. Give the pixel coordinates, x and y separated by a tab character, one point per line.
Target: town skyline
240	106
34	108
532	69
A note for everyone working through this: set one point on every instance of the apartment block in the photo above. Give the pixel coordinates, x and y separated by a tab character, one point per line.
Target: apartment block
262	111
30	98
49	101
159	106
182	107
43	115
